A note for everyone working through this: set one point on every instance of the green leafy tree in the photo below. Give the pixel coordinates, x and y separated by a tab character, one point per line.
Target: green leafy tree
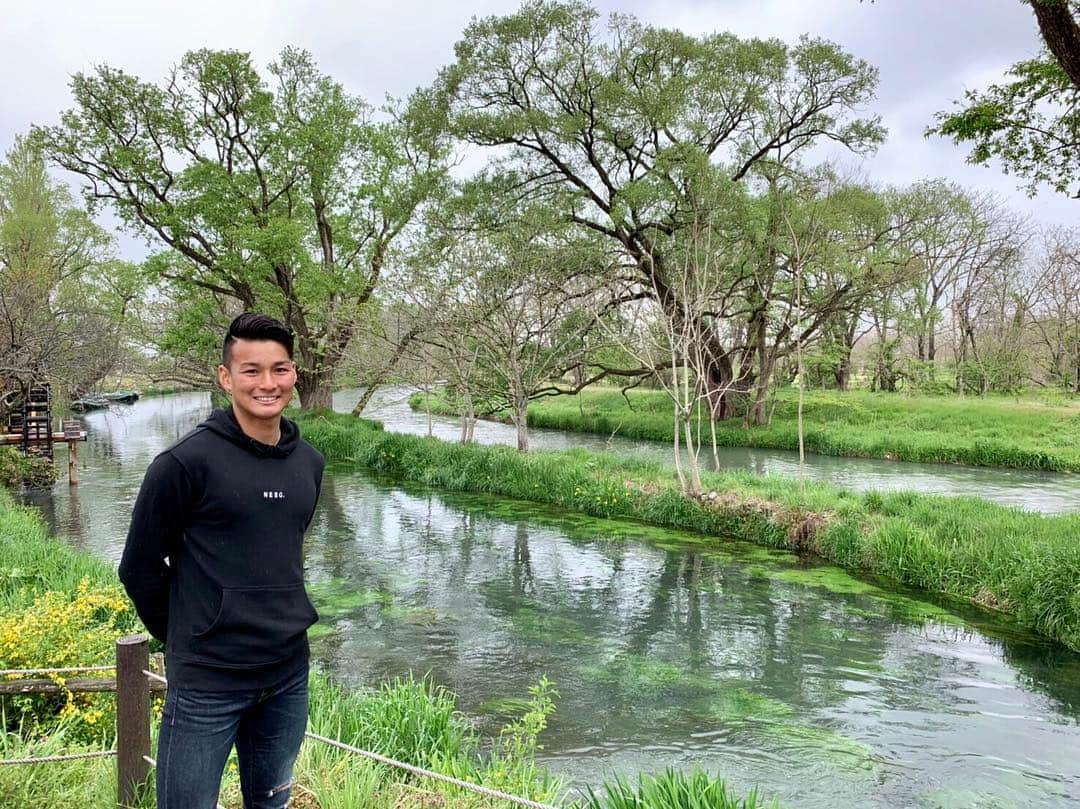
1031	122
64	300
282	194
613	124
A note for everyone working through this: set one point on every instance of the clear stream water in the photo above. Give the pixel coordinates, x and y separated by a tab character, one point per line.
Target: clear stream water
823	689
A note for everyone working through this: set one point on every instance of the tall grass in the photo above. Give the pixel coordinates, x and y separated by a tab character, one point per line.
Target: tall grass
1020	563
672	789
999	432
32	562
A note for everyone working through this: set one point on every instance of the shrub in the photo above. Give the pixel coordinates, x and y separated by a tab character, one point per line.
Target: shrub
59	630
17	470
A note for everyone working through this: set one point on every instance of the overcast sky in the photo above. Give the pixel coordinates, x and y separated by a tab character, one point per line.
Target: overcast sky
928	52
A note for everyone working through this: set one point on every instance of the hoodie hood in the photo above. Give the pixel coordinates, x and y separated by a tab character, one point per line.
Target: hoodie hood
224	423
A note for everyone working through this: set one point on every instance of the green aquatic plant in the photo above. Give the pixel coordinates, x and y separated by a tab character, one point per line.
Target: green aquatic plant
672	789
540	624
337	597
738	704
815	743
635	674
1016	562
828	578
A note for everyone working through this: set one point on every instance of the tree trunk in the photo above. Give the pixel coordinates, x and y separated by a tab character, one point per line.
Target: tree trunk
722	389
520	418
931	346
1061	34
675	444
693	449
843	374
315	390
843	371
468	417
365	398
755	414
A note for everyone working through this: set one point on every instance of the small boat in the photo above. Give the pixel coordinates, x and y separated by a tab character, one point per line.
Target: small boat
123	396
89	403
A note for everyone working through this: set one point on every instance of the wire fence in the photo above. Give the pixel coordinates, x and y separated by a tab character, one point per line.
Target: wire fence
133	683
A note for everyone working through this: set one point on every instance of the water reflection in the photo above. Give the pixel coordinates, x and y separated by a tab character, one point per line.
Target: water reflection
826	690
667	653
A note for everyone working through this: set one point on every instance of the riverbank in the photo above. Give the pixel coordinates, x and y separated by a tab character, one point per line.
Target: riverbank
1026	565
62	607
993	432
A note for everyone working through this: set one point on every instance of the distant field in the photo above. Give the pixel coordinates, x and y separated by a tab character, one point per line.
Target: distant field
1002	432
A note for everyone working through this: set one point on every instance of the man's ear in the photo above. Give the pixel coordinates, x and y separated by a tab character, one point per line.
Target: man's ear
224	378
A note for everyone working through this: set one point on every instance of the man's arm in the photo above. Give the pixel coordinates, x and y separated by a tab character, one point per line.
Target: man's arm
157	525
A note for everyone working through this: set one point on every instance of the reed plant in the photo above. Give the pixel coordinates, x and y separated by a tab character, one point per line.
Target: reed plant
673	789
1019	563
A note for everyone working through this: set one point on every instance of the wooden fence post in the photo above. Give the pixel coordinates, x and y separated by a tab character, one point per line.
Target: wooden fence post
132	718
72	434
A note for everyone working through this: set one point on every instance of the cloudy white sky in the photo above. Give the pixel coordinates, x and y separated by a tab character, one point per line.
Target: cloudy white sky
928	52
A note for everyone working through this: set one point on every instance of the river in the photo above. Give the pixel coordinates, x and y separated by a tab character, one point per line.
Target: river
823	689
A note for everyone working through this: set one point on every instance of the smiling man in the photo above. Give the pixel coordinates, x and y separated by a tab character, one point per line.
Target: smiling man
214	565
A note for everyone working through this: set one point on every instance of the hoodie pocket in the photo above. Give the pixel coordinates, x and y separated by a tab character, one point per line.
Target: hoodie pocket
255	625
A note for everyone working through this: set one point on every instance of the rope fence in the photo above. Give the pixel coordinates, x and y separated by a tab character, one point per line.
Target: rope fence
63	757
436	776
133	684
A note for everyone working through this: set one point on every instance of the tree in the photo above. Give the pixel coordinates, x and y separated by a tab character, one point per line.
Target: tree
529	294
63	299
668	343
282	195
1056	311
609	125
1030	123
825	242
990	311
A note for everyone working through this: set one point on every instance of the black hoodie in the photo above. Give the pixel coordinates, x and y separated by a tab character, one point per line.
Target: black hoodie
214	555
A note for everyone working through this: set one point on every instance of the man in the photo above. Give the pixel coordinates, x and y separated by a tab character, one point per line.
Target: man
214	565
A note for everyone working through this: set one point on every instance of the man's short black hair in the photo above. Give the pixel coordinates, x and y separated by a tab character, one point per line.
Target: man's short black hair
251	326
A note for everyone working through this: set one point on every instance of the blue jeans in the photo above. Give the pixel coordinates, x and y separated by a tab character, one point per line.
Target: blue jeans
199	728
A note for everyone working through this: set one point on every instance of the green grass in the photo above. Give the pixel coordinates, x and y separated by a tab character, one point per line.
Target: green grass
31	562
993	431
672	789
1023	564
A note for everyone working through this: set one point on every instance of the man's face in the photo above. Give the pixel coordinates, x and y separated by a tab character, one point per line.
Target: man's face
260	377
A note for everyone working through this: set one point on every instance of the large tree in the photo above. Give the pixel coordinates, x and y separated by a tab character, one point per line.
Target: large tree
281	193
612	124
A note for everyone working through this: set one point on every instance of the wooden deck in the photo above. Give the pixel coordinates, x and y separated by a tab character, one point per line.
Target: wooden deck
8	439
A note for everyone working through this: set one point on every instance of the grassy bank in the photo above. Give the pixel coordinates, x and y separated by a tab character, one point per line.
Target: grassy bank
1023	564
980	432
60	607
